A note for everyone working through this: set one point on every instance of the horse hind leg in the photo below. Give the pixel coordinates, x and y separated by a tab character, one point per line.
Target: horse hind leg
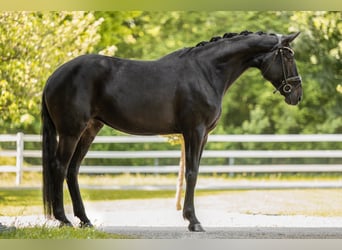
65	150
83	145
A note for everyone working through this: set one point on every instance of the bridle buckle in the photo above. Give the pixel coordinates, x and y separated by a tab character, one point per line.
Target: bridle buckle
286	85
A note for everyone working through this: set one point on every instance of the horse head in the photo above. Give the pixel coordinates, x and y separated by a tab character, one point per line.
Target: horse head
279	67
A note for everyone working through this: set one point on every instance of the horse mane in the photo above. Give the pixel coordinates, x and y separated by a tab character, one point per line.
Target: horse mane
214	39
228	36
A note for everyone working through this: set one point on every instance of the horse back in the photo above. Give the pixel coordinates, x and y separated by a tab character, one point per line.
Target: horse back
137	97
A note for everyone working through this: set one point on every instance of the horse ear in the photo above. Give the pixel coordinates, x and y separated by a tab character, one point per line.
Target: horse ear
285	40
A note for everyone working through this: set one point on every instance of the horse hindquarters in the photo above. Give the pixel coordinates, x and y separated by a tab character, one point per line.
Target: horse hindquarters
57	157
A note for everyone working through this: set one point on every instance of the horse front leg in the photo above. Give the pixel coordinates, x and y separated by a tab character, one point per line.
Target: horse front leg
194	144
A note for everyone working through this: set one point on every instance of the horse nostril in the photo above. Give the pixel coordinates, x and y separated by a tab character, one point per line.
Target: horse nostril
299	98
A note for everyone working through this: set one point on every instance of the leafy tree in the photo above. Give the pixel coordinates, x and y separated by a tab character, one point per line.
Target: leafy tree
318	56
118	29
32	45
320	52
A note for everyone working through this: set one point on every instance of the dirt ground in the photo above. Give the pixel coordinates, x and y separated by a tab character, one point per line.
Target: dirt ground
236	214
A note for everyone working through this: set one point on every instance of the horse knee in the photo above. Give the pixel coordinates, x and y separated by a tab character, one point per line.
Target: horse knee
191	177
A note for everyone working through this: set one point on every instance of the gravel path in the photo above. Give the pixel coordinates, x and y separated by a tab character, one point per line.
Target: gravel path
158	218
228	233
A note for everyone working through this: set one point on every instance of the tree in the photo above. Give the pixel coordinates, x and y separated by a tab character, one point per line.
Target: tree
320	53
32	45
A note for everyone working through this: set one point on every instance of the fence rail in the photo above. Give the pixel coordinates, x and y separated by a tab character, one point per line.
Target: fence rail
20	153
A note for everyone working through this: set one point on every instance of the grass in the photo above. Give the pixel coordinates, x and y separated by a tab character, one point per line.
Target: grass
58	233
29	201
32	179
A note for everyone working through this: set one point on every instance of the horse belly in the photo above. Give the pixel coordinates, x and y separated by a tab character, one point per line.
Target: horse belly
140	116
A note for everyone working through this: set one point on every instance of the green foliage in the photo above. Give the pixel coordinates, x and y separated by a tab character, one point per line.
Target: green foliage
257	122
32	45
117	30
320	52
150	35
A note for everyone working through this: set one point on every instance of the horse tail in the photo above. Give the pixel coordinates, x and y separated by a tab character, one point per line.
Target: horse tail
49	146
180	179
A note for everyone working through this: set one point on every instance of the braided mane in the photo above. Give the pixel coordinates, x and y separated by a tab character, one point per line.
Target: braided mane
229	35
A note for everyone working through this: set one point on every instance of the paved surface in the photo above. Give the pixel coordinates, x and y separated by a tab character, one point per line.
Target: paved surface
158	219
228	233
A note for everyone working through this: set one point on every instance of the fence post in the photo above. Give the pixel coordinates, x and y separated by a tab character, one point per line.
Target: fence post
20	157
231	162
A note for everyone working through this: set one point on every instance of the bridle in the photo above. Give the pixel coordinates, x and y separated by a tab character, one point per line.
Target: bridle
288	83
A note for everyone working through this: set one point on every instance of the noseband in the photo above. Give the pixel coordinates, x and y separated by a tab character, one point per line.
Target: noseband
288	83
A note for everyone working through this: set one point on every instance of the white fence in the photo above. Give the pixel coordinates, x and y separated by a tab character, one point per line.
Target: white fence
20	153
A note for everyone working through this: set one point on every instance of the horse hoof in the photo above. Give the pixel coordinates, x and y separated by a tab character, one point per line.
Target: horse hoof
196	228
65	224
85	224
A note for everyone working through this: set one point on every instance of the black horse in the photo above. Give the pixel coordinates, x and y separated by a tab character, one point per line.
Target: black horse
179	93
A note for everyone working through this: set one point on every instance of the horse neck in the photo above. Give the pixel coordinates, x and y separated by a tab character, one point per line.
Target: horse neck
226	60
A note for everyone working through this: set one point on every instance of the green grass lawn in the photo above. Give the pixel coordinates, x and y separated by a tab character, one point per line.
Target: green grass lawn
32	179
14	202
58	233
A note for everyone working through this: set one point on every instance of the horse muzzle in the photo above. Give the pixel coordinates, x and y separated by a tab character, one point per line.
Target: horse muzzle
293	99
291	88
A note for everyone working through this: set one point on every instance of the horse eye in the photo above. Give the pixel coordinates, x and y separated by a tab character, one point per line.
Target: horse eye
290	53
289	56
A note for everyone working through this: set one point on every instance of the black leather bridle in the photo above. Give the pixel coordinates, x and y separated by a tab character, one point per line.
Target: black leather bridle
288	83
